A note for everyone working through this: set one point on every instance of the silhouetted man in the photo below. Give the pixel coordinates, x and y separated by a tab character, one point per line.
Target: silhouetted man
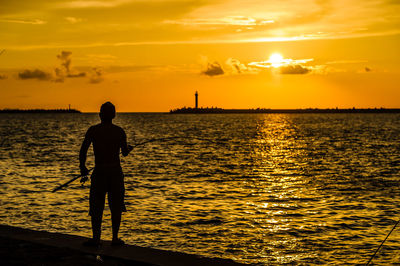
107	177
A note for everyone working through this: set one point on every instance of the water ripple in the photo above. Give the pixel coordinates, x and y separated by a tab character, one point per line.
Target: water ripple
267	189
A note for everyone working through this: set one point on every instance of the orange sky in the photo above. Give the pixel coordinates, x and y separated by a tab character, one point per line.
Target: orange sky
153	55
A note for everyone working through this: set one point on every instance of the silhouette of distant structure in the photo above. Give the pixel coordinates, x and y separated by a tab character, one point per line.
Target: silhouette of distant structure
39	111
216	110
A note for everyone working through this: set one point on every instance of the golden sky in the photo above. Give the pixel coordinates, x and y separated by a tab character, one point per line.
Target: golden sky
152	55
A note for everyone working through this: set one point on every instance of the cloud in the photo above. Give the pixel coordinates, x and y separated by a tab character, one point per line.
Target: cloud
159	21
93	3
65	70
25	21
134	68
279	63
65	58
34	74
60	73
73	20
286	65
294	69
77	75
346	62
229	21
213	69
283	66
276	64
106	58
236	66
96	76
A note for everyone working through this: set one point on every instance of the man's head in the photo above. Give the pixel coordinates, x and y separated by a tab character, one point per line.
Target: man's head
107	112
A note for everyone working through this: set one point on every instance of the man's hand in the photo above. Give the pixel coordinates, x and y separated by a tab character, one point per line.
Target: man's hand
84	170
83	179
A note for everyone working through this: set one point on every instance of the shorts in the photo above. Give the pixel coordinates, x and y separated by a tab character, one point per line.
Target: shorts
107	180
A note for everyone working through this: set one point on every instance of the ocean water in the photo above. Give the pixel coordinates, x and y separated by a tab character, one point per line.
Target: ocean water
265	189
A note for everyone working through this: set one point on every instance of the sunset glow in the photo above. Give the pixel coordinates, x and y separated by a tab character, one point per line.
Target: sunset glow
153	55
223	131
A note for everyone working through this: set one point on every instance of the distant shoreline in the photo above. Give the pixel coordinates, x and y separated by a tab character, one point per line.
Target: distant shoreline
283	111
221	111
39	111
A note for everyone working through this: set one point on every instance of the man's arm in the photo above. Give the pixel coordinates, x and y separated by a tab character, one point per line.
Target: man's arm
83	152
125	148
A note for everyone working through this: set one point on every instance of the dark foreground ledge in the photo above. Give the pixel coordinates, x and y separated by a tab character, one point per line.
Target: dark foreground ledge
28	247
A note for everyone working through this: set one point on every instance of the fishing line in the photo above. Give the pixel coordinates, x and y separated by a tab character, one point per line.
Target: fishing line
382	243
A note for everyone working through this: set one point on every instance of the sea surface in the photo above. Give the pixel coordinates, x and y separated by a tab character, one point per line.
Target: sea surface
265	189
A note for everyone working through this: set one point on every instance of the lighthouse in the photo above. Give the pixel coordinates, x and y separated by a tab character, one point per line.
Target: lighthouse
196	99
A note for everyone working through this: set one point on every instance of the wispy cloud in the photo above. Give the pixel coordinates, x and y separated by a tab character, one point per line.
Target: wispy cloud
73	20
93	3
279	62
236	65
96	76
227	21
166	22
25	21
97	59
295	19
230	20
346	62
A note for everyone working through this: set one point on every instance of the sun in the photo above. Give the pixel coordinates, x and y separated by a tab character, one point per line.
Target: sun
276	60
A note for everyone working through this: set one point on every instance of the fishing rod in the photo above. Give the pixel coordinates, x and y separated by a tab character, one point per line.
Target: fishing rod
376	251
72	180
84	178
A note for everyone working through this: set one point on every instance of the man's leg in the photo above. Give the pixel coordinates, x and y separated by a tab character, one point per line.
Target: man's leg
96	218
96	226
96	200
116	222
117	206
116	203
